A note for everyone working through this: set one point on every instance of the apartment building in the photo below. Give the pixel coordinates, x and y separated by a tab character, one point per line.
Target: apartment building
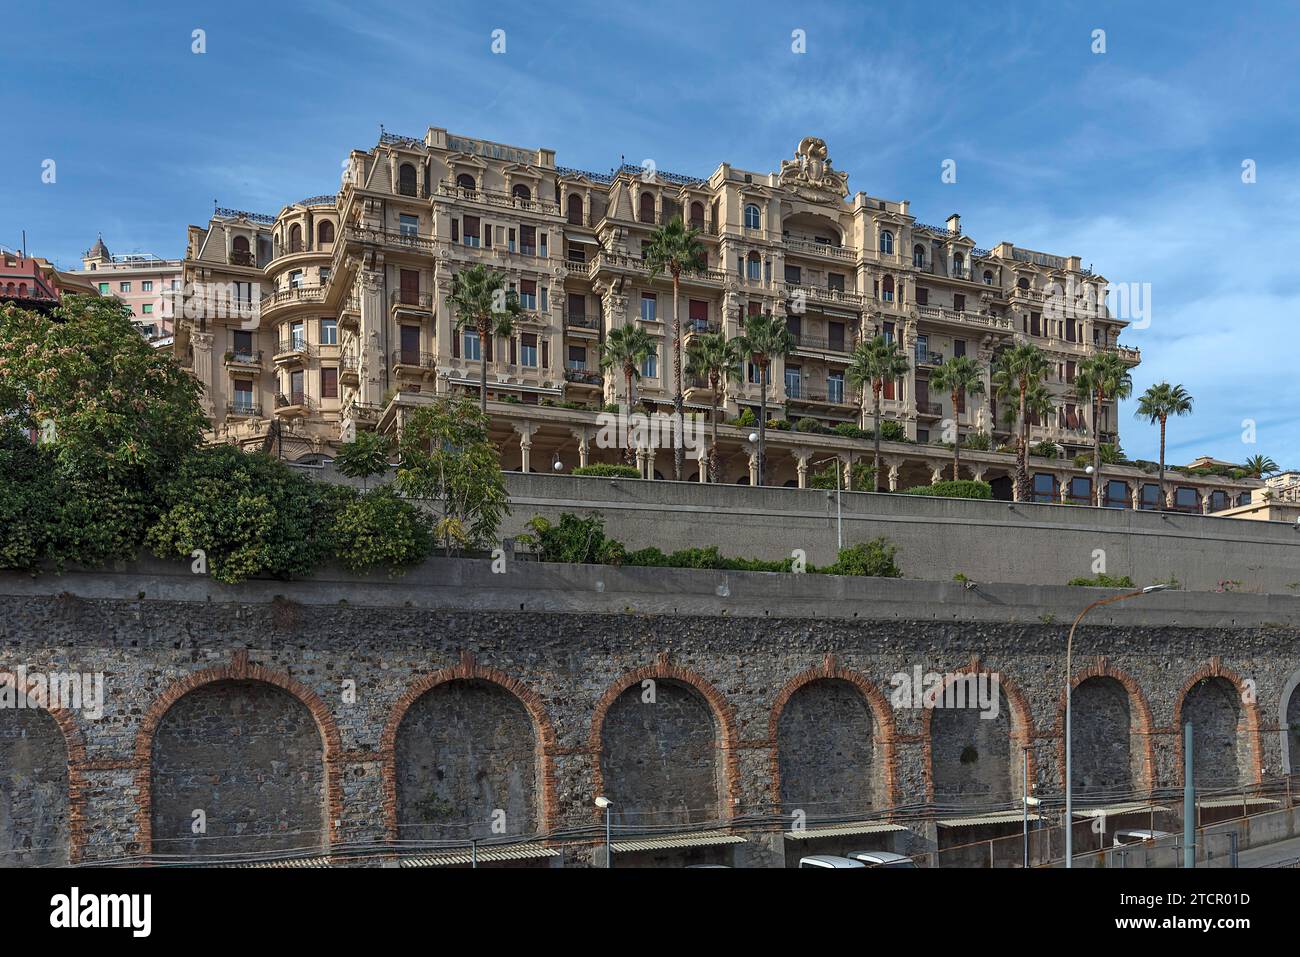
32	282
333	315
146	283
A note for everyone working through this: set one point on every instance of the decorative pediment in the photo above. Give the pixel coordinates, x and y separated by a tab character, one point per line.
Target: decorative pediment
811	175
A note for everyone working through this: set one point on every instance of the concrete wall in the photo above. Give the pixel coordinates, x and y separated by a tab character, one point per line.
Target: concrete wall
990	541
751	673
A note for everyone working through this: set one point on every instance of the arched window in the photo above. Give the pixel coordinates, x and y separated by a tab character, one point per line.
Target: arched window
465	181
521	191
575	209
753	219
325	232
988	278
755	266
697	215
295	238
647	208
887	289
918	256
406	179
887	242
958	265
1022	283
241	244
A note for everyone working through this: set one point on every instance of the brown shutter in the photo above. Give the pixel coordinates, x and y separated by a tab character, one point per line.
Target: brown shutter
546	353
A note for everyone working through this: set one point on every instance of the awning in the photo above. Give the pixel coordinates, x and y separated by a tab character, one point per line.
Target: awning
1002	817
844	830
486	855
1235	802
702	839
291	862
1109	810
589	240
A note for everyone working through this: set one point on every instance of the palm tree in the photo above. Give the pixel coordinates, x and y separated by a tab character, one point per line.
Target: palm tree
480	300
1101	378
1257	466
766	338
873	363
626	349
1015	372
717	359
1157	404
675	249
958	376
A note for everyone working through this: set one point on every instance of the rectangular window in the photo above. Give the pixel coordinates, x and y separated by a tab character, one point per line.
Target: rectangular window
329	382
146	308
471	344
409	286
528	349
835	387
244	395
510	240
487	235
103	288
835	336
650	366
922	296
793	381
528	294
959	302
959	347
241	343
1044	487
124	287
835	281
889	332
455	230
577	358
1034	327
146	285
699	315
528	240
753	374
648	306
297	335
329	332
543	252
577	305
296	279
793	274
408	225
470	229
888	390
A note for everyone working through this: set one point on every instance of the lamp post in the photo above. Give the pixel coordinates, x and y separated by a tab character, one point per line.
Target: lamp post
759	451
1069	650
839	514
608	805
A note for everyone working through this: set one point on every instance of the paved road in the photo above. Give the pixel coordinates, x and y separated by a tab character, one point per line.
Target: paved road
1270	853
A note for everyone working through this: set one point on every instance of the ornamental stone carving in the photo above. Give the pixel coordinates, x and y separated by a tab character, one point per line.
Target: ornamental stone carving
810	174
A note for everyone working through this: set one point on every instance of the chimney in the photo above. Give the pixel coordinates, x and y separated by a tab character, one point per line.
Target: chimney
954	224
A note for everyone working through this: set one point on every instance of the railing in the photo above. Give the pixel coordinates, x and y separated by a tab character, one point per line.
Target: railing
284	297
294	345
415	300
368	234
828	295
956	315
799	244
605	260
929	408
583	376
925	358
1126	352
700	327
294	400
414	357
811	340
237	357
494	198
367	411
817	398
245	409
241	257
581	321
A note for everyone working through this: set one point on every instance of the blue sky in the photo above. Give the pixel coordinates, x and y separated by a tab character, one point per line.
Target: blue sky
1129	158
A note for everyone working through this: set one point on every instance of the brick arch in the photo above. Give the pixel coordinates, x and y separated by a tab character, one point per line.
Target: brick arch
1102	668
830	668
239	669
1022	722
74	744
1250	709
722	710
466	670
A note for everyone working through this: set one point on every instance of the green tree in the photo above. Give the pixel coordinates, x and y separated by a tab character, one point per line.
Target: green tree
674	249
1101	378
716	359
1257	466
1015	372
625	350
958	376
1157	404
379	529
873	363
365	456
766	338
481	300
449	459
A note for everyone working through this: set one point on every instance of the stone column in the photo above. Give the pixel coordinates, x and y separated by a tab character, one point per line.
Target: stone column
702	461
525	430
1135	495
583	435
893	465
1063	480
801	464
846	468
201	343
371	362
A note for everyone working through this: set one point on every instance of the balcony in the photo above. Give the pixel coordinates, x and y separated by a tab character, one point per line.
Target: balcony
812	340
241	257
962	318
294	295
394	240
700	327
244	410
582	322
349	370
930	410
244	359
802	396
413	360
584	377
925	358
367	412
821	294
294	348
403	300
615	262
489	197
293	404
811	247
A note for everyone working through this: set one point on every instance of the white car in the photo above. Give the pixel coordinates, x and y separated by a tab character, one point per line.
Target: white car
881	859
828	860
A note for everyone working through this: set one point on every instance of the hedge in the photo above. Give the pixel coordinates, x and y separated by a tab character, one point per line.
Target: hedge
962	488
605	470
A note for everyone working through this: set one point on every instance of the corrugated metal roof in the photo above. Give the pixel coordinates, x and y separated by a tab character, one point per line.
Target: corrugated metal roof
287	862
1234	802
1107	810
486	855
1002	817
702	839
844	830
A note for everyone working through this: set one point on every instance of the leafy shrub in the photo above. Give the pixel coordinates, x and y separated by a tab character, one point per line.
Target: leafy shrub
1103	581
606	470
961	488
850	431
379	530
825	477
365	456
1045	450
978	440
572	539
780	425
873	559
891	431
745	419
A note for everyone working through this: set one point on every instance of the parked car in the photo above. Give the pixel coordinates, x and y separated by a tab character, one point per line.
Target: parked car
1137	835
828	860
881	859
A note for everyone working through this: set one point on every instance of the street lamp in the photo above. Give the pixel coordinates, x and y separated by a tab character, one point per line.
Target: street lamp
839	515
608	805
754	441
1069	650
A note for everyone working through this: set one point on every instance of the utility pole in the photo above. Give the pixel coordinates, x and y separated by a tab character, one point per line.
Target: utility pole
1189	801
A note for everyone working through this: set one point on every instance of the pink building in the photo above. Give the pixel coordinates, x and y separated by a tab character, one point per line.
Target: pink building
146	283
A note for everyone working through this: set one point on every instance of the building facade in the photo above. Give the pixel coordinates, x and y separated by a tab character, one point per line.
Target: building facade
31	282
333	315
147	284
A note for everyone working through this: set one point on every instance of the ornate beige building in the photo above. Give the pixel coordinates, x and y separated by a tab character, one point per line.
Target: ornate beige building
333	316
